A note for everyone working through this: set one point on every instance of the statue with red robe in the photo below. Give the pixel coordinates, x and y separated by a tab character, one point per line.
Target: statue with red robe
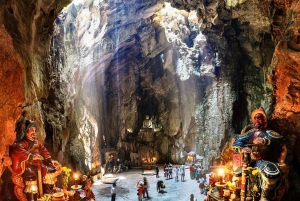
32	166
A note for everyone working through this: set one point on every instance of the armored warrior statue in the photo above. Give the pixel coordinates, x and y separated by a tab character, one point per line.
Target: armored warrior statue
267	151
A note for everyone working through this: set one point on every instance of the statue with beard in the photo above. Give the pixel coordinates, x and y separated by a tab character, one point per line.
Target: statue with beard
32	166
267	152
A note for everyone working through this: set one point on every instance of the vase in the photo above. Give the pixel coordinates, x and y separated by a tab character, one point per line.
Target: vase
65	191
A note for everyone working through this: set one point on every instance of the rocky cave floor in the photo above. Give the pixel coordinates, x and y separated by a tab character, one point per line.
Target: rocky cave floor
126	187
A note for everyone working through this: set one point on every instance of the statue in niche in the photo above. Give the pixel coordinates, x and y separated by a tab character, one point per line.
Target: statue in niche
32	165
155	124
150	125
147	123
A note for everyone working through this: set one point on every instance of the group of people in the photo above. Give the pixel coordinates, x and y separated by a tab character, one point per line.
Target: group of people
116	166
143	185
168	172
195	171
142	190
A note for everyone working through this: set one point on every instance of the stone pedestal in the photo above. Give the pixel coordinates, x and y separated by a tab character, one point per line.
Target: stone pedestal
146	135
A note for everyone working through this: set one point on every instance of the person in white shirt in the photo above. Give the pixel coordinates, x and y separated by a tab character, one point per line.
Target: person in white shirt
182	172
176	173
199	173
201	185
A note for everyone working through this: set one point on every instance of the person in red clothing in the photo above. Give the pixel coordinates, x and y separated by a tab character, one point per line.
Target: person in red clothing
140	191
192	171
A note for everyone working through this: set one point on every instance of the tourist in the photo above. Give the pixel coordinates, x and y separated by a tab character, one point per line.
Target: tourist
195	172
145	186
182	172
199	172
113	192
166	171
170	171
176	173
201	185
140	191
159	185
157	171
192	171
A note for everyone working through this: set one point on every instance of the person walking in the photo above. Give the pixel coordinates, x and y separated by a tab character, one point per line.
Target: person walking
170	170
201	185
182	172
113	192
199	173
192	171
146	186
140	190
166	171
157	171
176	170
195	172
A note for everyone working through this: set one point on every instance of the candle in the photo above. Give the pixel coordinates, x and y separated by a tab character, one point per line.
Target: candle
221	175
32	191
33	188
76	178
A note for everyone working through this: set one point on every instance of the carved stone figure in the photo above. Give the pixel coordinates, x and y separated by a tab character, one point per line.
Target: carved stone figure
267	152
147	123
32	165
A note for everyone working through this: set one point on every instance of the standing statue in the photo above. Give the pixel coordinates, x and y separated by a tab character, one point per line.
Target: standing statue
32	165
267	152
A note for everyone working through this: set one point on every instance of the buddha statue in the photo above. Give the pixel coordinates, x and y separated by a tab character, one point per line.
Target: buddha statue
147	123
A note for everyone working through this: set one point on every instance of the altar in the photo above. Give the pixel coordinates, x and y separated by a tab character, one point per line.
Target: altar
149	168
215	197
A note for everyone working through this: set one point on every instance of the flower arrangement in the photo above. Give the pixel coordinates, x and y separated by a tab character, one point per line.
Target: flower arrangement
254	181
66	174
